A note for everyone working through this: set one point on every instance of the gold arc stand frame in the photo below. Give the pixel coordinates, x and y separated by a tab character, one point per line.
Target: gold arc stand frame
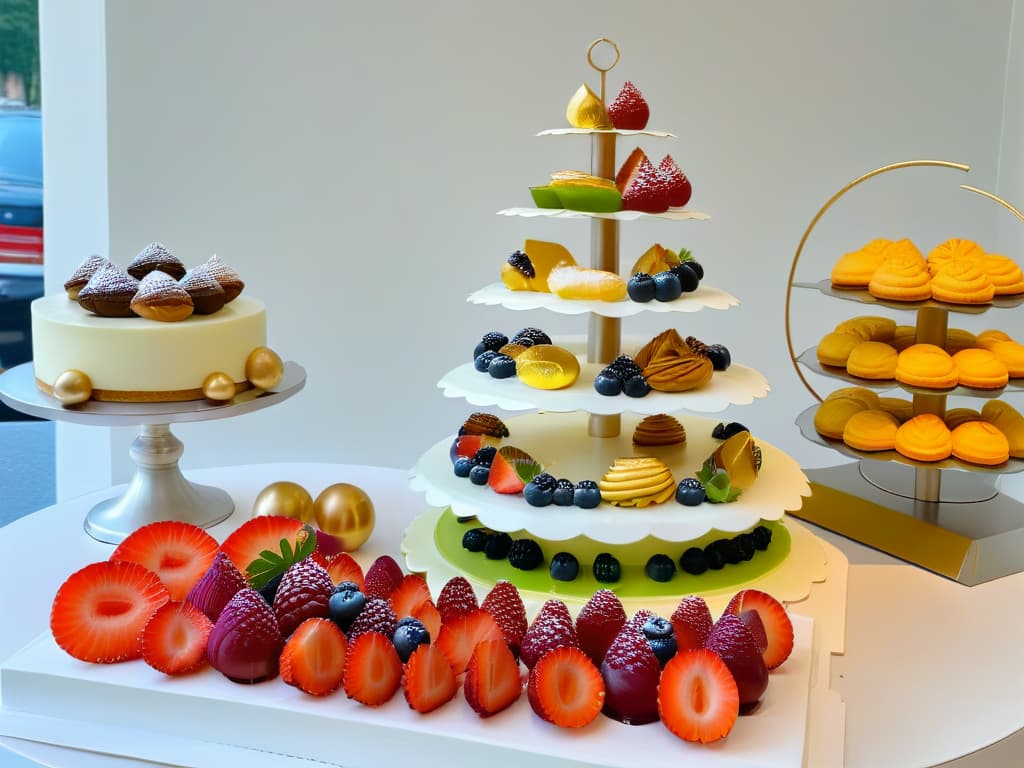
915	513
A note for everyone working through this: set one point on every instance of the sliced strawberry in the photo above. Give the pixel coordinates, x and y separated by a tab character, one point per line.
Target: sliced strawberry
457	599
629	111
313	659
679	187
599	622
343	567
382	577
373	671
179	553
174	639
692	623
753	621
777	625
99	612
697	696
645	190
505	604
565	688
429	680
460	636
552	627
468	445
409	595
257	534
219	584
492	681
511	469
428	614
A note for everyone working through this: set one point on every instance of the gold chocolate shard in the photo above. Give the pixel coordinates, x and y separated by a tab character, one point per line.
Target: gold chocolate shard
585	110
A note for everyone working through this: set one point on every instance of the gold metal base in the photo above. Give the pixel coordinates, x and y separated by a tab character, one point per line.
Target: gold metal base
969	542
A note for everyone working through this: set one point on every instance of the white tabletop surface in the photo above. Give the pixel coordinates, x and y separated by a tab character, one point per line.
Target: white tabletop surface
931	675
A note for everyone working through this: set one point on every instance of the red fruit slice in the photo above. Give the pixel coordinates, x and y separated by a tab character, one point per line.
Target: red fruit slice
630	671
343	567
428	614
304	593
179	553
505	604
256	535
599	622
753	621
373	670
731	640
492	678
313	659
245	644
629	169
383	575
174	639
429	680
219	584
511	469
99	612
457	599
679	187
646	190
409	596
566	688
777	625
697	696
468	445
552	628
691	621
459	637
629	111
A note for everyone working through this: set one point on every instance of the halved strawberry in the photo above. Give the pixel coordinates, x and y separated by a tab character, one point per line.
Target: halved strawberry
629	111
629	168
383	575
409	595
777	626
468	445
505	604
691	621
429	616
99	612
697	696
257	534
179	553
565	688
492	680
599	622
460	636
343	567
429	680
511	469
645	190
457	599
679	187
174	639
552	627
313	659
373	670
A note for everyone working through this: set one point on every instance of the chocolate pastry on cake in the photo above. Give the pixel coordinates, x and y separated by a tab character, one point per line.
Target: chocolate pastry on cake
207	294
226	276
156	256
670	365
161	298
83	274
109	292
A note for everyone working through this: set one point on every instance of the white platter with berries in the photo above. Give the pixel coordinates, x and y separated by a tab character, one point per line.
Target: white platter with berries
497	294
672	214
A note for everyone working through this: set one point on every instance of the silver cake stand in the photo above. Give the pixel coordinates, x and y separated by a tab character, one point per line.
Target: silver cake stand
158	490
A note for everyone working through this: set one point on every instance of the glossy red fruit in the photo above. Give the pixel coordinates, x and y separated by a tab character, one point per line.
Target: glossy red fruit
467	445
99	612
382	577
692	623
429	616
629	111
504	477
646	190
505	604
552	628
179	553
777	625
457	599
598	623
409	595
313	659
376	616
373	671
492	680
245	643
565	688
343	567
429	680
697	698
640	618
257	534
630	168
304	593
631	671
174	639
731	640
458	638
753	621
679	188
219	584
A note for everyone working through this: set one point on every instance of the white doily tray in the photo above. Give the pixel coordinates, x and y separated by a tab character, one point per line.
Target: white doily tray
497	294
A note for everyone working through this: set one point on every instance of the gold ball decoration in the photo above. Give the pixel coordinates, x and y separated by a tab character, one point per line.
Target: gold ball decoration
218	386
284	498
263	368
345	512
72	387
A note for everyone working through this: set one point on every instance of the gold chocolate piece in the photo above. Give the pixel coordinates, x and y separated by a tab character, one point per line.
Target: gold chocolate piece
263	368
72	387
345	512
219	387
286	499
740	457
637	481
659	430
585	110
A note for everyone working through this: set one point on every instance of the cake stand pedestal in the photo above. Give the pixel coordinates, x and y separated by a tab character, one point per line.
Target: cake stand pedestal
158	490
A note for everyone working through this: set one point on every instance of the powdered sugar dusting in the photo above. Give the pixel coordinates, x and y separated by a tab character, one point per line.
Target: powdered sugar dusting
159	287
221	271
200	280
88	268
110	280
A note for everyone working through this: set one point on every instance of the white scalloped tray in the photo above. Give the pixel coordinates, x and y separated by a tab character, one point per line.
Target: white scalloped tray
672	214
498	294
596	132
561	444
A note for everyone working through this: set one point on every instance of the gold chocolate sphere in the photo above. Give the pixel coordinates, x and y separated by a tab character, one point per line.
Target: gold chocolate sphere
72	387
284	498
263	368
218	386
345	512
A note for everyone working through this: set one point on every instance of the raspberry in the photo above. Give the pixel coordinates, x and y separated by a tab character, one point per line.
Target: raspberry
304	593
376	616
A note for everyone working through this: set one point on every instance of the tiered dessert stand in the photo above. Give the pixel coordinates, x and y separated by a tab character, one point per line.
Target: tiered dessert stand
158	490
577	432
948	516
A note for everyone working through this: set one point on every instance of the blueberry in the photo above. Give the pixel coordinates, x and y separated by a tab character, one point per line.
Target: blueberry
587	495
667	286
269	590
564	567
661	637
719	357
690	492
608	384
641	287
497	546
725	431
462	466
408	637
525	554
660	568
695	266
341	586
687	276
762	537
563	493
502	367
343	607
540	491
694	561
483	360
636	386
607	569
475	539
479	474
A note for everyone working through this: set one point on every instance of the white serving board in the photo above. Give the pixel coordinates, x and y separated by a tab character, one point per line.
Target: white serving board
498	294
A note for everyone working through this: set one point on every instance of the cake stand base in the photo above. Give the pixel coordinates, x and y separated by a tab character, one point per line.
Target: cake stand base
970	542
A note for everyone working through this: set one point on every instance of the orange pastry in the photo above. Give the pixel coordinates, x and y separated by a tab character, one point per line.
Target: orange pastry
655	259
1007	420
957	416
854	269
924	437
529	270
958	338
981	369
871	431
872	360
901	277
869	327
878	245
1012	355
954	248
864	395
835	348
904	247
962	281
585	283
831	417
979	442
670	365
1006	276
988	338
928	366
897	406
903	337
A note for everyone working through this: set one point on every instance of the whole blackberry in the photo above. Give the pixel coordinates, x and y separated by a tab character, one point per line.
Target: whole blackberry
762	537
497	546
731	551
607	569
535	335
525	554
475	539
624	366
491	342
694	561
716	561
522	263
545	481
745	541
485	455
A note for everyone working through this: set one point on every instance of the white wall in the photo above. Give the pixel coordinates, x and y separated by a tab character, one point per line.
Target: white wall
348	160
